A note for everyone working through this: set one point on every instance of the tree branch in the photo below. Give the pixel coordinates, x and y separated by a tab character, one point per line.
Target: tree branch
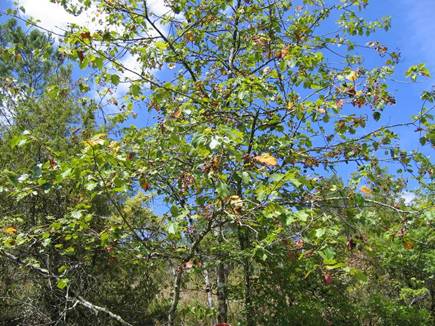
77	298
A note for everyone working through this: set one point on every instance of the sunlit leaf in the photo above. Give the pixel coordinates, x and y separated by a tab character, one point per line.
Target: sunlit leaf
266	159
10	230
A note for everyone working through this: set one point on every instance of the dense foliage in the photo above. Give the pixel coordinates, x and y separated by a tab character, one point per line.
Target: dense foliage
266	190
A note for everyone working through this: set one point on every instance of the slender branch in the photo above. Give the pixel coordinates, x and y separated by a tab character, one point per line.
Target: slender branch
179	274
30	22
77	298
174	50
398	210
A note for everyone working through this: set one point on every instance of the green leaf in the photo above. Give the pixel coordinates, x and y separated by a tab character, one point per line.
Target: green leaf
161	45
66	173
301	215
69	251
62	283
115	79
91	186
135	90
222	190
320	232
423	141
417	70
62	268
104	237
20	140
376	115
172	227
99	62
335	266
328	256
76	214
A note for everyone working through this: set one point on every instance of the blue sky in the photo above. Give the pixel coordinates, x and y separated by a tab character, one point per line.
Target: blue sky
412	33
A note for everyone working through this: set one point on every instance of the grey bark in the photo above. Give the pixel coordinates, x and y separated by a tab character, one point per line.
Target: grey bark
208	290
175	296
77	299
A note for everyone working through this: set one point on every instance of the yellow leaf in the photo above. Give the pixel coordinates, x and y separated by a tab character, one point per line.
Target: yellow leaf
114	146
10	230
366	190
408	245
98	139
266	159
353	75
189	36
236	203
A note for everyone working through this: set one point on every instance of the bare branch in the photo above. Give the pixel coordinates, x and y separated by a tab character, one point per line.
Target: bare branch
76	298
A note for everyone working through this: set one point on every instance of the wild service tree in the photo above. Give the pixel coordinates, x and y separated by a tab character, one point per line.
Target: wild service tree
261	110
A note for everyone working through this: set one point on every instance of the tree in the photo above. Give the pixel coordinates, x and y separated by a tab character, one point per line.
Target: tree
27	62
257	107
48	119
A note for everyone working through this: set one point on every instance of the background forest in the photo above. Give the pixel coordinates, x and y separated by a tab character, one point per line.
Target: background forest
243	171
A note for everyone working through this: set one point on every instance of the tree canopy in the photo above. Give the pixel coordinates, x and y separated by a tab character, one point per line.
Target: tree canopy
240	172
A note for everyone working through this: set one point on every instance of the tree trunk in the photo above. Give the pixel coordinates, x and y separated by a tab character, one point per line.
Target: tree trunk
221	294
175	296
247	271
208	290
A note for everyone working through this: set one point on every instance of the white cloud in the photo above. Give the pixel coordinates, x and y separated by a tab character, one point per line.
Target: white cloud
408	197
131	62
133	65
158	7
52	16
